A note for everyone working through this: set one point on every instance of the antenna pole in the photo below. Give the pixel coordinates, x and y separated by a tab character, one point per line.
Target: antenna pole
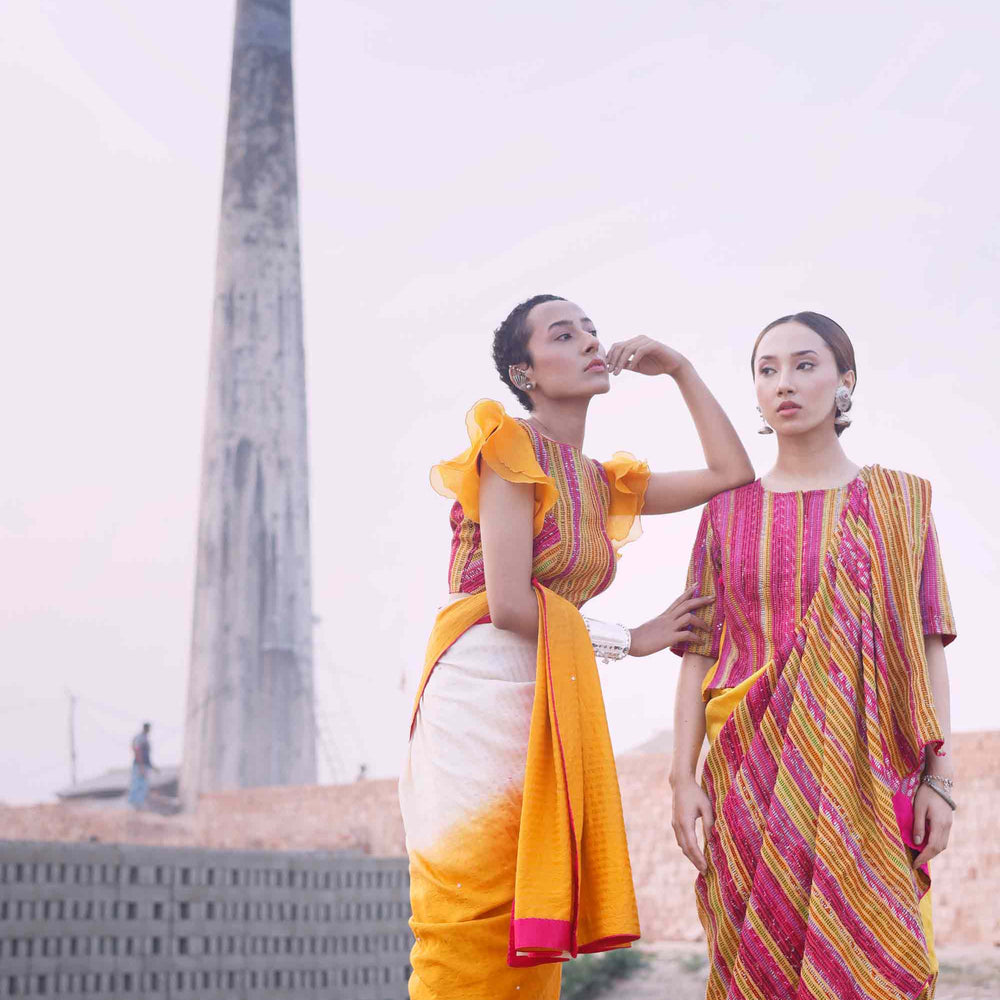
72	737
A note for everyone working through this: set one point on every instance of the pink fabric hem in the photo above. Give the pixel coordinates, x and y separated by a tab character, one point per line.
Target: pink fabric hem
530	961
551	941
540	933
609	943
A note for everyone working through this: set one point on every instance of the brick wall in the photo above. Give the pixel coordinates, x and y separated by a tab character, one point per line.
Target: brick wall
366	816
362	816
148	922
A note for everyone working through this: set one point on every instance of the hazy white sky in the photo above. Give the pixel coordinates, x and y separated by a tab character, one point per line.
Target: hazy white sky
687	170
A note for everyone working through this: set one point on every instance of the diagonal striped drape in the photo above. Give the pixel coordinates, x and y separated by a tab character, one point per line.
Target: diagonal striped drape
810	891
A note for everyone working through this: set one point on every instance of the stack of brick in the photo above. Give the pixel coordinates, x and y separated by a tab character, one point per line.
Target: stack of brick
362	816
365	816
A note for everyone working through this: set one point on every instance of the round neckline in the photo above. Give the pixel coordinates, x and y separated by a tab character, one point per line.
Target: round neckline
821	489
545	437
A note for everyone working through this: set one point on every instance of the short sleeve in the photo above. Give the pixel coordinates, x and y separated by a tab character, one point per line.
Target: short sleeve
703	571
627	480
506	447
935	602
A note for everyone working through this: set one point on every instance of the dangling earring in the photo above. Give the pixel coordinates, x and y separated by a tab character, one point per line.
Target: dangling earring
520	379
765	427
842	400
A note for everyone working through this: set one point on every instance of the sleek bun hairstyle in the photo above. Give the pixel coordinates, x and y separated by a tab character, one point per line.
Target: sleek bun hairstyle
510	343
833	334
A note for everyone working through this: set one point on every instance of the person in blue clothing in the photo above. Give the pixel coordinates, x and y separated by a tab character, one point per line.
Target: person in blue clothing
141	766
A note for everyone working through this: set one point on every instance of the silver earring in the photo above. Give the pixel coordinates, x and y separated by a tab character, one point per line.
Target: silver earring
842	400
520	379
765	427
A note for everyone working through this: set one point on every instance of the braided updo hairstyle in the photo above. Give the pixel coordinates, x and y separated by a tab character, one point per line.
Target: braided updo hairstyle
510	343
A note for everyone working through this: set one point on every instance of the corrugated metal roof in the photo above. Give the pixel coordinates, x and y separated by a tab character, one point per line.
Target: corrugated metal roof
116	781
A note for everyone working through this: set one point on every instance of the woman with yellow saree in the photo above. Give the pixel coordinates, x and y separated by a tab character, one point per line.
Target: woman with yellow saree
822	685
510	799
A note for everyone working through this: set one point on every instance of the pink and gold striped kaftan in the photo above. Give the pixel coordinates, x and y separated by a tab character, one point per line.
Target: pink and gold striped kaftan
819	713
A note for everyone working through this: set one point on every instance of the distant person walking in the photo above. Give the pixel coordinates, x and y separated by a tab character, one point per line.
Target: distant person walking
141	766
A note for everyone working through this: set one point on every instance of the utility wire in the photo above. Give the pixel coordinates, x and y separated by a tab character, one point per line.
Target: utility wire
22	705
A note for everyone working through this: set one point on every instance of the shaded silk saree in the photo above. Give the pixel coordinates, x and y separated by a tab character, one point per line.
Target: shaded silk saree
509	794
571	878
810	891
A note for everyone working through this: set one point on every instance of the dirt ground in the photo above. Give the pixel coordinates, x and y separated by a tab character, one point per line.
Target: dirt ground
677	972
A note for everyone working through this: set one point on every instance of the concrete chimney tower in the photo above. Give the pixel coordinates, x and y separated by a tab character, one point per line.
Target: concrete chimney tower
250	715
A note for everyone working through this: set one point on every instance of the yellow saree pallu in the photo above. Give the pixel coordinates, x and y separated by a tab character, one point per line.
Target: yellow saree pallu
811	770
520	861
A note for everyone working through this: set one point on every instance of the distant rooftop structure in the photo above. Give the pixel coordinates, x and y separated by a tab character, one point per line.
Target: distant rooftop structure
114	784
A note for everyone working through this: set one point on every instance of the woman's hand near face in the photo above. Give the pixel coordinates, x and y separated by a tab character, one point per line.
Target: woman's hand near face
677	624
645	356
727	464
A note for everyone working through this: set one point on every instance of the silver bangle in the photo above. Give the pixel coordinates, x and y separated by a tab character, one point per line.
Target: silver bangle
611	641
931	781
948	783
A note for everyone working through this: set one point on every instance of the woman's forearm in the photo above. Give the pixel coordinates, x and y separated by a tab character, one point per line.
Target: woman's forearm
519	616
937	668
689	717
724	453
727	464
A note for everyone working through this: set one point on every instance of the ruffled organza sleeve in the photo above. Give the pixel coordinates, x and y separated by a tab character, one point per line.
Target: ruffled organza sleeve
628	479
506	447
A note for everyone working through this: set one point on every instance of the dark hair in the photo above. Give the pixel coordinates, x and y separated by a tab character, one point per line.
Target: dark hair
510	343
833	334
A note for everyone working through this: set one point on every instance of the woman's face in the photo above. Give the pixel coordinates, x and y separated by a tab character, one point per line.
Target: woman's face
567	358
795	375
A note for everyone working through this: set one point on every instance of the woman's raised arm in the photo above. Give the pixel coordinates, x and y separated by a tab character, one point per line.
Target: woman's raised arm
726	462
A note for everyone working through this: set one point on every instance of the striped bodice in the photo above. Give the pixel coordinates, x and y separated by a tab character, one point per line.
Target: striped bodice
573	554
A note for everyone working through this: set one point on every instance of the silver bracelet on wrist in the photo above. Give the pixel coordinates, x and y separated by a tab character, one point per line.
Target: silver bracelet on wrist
611	641
949	783
940	785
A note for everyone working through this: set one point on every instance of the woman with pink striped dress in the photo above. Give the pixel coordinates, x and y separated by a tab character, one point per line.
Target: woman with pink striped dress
822	685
